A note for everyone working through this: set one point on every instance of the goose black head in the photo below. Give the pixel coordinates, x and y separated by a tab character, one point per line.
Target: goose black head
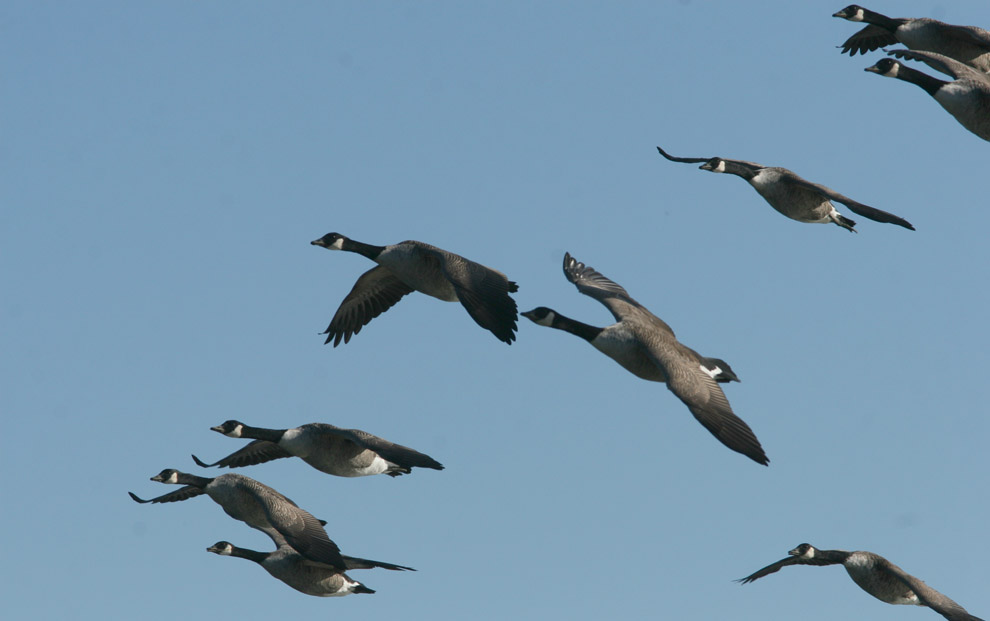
231	428
887	67
805	550
541	315
716	165
168	475
330	241
223	548
853	13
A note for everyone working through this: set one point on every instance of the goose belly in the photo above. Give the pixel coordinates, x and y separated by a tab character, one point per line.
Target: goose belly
878	583
621	347
796	203
343	458
971	108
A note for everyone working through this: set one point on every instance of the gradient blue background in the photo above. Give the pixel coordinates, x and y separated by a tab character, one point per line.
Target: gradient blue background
165	166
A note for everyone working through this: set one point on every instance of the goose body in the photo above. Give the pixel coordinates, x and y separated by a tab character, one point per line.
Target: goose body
264	509
646	346
966	97
875	575
329	449
293	569
792	195
967	44
414	266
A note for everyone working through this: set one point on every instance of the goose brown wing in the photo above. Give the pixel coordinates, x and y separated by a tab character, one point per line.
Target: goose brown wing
483	292
376	291
784	562
595	285
929	596
868	39
864	210
256	452
706	401
395	453
303	532
184	493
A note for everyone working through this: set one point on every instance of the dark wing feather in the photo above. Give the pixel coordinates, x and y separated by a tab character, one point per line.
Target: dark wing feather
931	598
482	291
868	39
593	284
363	563
856	207
376	291
685	160
257	452
184	493
395	453
703	396
303	532
784	562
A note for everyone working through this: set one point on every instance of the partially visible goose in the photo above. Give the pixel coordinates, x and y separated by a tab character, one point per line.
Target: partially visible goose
966	44
791	195
293	569
414	266
646	346
875	575
336	451
263	508
967	97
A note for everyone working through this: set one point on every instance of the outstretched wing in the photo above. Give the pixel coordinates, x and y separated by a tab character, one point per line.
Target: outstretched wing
183	493
930	597
390	451
784	562
363	563
864	210
482	291
685	160
593	284
376	291
257	452
868	39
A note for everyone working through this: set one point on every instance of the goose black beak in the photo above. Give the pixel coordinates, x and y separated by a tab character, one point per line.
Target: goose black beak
317	242
873	69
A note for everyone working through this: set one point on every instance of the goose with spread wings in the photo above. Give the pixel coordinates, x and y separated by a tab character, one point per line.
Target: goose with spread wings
329	449
414	266
795	197
875	575
646	346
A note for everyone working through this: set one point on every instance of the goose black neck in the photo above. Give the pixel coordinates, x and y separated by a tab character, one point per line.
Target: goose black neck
184	478
834	556
887	23
740	170
261	433
367	250
929	83
251	555
585	331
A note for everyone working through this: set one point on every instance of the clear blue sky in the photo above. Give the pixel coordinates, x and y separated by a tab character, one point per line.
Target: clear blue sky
167	164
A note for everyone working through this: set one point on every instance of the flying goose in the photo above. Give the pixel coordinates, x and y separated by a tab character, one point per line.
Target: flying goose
293	569
966	97
875	575
414	266
336	451
791	195
646	346
263	508
966	44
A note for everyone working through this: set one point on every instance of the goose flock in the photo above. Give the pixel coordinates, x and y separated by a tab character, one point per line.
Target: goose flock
307	560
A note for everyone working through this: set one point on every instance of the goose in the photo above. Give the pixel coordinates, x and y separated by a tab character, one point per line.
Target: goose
646	346
966	44
264	509
414	266
329	449
875	575
966	97
791	195
293	569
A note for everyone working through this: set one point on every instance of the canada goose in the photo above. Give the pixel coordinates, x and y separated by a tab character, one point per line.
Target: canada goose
293	569
791	195
967	97
646	346
875	575
967	44
414	266
341	452
263	508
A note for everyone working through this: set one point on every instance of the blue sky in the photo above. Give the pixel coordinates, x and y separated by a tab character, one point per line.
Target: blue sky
167	164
